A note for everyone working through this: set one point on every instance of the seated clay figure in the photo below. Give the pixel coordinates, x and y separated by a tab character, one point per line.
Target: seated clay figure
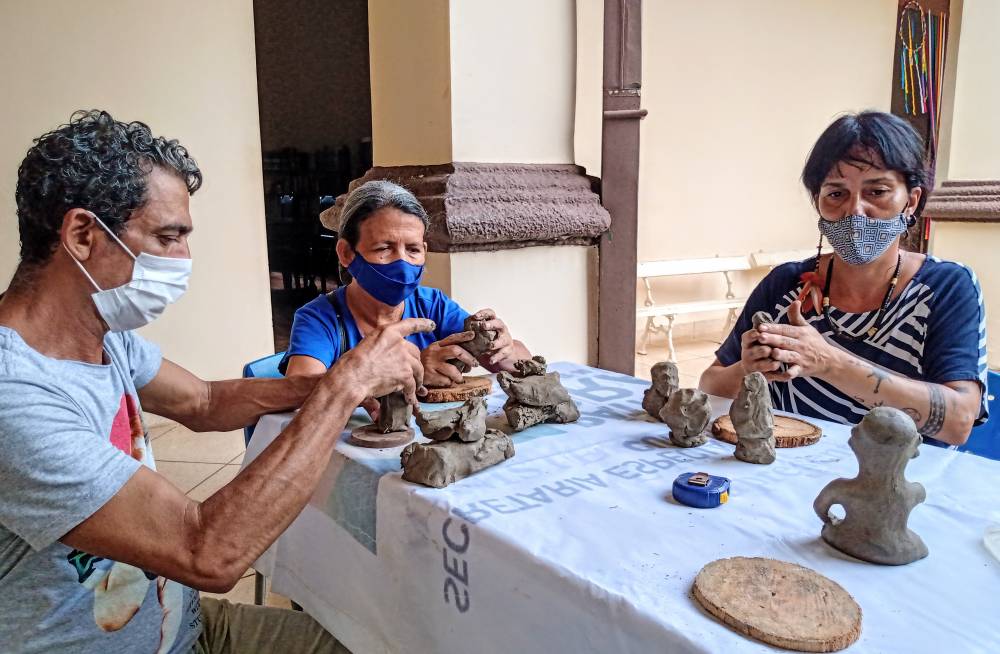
753	420
535	396
876	503
665	380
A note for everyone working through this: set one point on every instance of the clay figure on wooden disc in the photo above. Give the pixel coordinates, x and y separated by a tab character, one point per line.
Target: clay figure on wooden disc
753	420
687	413
465	423
665	380
444	462
877	503
535	396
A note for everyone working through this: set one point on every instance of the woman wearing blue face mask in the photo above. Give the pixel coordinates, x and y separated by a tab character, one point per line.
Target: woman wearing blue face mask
382	228
870	324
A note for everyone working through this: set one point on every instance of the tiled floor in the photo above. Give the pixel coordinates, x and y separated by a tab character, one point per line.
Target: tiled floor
200	464
693	356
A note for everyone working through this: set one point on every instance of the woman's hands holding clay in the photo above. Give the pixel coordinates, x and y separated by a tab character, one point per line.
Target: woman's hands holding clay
503	346
384	362
436	358
798	345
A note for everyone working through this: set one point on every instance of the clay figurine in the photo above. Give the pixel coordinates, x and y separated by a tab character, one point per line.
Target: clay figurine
665	381
687	413
465	423
876	503
479	345
762	318
753	420
444	462
392	428
535	395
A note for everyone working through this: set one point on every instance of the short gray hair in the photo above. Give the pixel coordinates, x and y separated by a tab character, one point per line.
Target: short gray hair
371	196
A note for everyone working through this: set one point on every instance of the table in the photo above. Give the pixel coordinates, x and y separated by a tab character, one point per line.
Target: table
576	545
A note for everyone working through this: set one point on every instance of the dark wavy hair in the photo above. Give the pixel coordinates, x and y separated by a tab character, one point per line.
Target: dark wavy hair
93	162
895	141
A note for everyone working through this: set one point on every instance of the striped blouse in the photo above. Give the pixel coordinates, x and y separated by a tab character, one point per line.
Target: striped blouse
934	331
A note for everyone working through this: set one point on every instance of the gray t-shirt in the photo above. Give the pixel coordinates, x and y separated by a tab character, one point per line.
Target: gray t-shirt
71	435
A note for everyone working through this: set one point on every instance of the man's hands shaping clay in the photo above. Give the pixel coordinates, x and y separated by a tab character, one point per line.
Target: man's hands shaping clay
385	362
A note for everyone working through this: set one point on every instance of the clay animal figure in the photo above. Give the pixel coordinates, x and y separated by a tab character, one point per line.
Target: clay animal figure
465	423
444	462
687	413
876	503
535	396
753	420
479	345
393	413
666	380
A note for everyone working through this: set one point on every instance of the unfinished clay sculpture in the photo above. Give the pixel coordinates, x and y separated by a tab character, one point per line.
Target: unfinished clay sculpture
876	503
391	429
535	396
760	318
687	413
753	420
444	462
465	423
480	344
665	381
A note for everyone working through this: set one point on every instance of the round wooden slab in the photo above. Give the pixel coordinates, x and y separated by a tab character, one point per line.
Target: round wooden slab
471	387
372	436
779	603
788	432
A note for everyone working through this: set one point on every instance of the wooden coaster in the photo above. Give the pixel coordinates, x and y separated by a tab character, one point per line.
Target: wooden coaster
372	436
788	432
471	387
779	603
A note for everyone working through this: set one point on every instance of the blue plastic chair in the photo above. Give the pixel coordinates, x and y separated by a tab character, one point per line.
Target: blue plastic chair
263	367
985	439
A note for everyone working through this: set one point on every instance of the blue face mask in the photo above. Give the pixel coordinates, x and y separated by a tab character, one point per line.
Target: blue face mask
389	283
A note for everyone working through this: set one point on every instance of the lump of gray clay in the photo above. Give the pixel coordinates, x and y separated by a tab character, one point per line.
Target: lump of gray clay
444	462
760	318
535	396
687	413
394	413
753	420
665	380
465	423
480	344
877	503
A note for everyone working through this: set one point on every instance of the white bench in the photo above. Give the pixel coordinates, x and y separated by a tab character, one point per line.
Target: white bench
651	310
718	265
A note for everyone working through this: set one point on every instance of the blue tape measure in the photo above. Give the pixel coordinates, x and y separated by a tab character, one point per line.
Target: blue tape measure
701	490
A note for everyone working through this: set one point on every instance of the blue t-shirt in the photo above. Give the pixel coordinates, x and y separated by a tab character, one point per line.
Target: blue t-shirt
315	330
934	331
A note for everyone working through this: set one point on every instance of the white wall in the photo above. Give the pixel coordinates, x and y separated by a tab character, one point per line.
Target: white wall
737	93
186	69
513	74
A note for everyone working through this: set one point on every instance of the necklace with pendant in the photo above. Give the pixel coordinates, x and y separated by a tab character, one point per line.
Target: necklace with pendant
837	331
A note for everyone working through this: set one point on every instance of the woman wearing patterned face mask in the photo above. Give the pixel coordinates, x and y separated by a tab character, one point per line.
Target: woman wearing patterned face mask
382	227
870	324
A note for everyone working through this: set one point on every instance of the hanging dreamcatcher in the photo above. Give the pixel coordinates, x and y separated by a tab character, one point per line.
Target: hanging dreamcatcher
924	37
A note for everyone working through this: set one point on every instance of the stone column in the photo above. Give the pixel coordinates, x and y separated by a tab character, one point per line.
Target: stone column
473	106
965	208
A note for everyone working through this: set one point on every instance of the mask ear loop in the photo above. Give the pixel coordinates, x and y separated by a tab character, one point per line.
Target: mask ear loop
112	234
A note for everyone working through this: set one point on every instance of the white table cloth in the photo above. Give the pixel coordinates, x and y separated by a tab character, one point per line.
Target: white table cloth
576	545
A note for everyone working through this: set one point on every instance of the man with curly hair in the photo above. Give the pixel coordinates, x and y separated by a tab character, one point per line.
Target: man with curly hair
98	552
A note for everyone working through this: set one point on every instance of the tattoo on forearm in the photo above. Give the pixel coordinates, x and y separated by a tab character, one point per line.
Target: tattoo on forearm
880	376
935	412
914	414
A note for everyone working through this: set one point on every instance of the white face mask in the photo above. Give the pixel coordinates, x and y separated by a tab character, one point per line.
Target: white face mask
156	282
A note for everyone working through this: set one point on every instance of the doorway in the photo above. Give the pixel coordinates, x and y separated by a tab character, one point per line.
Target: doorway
314	98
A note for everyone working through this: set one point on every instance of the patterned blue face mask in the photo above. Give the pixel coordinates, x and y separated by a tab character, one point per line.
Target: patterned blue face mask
859	239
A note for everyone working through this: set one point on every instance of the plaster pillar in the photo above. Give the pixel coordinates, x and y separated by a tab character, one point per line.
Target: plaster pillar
473	109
